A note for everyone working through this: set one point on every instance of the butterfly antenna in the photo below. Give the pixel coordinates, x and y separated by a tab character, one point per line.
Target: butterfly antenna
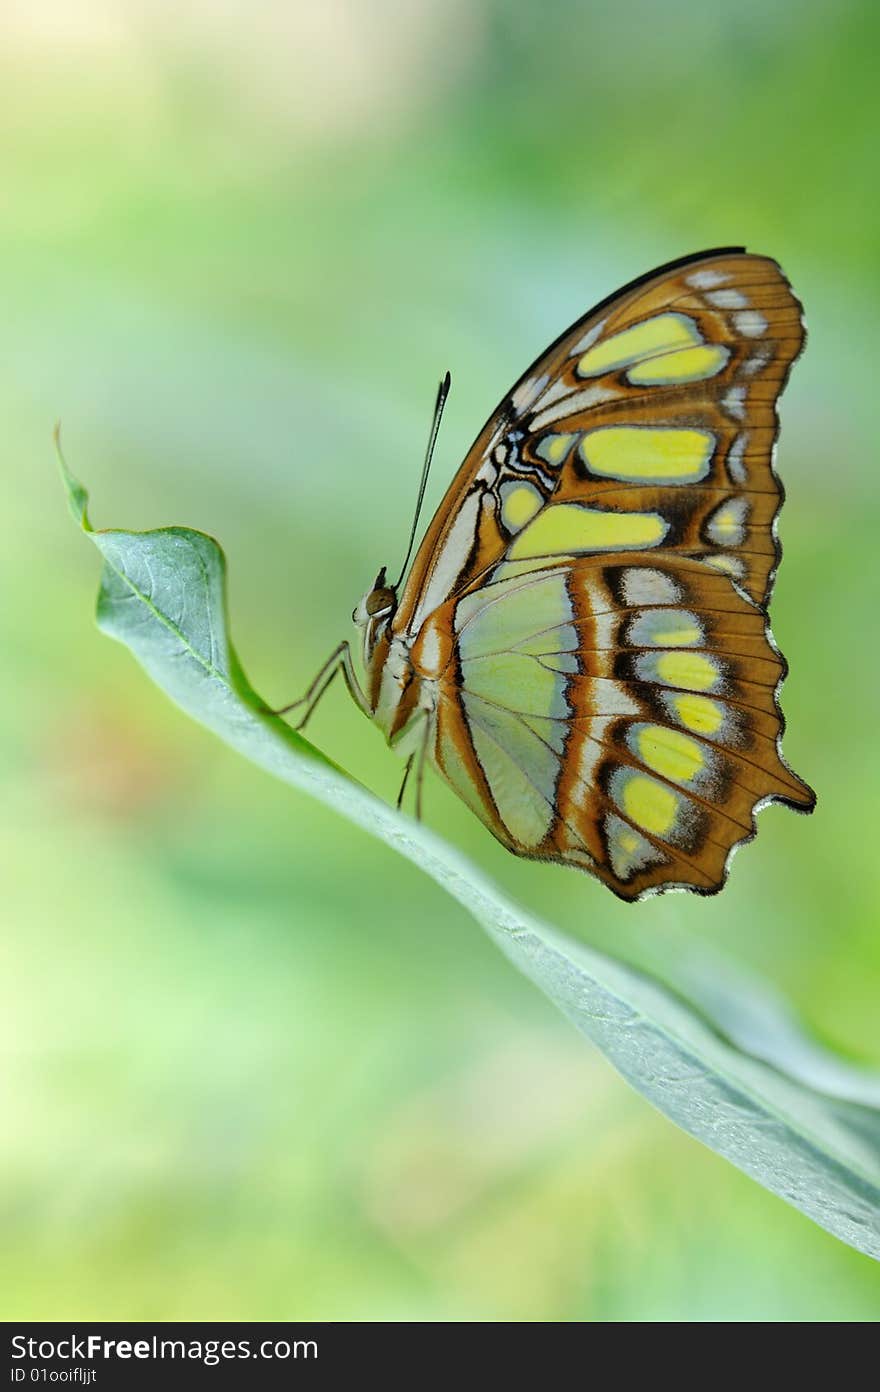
442	393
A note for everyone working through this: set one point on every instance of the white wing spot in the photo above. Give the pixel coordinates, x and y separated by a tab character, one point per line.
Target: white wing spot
664	628
757	362
734	403
616	700
727	299
571	403
588	339
527	392
726	526
728	565
645	586
431	651
448	565
591	753
750	323
735	466
707	280
605	631
628	850
555	391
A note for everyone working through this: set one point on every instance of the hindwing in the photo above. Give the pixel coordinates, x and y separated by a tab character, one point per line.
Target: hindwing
616	714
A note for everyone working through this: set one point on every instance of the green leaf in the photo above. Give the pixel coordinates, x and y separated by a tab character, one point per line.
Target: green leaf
731	1067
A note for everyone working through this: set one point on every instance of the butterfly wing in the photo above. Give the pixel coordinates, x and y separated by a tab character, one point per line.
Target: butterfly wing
659	402
599	572
618	714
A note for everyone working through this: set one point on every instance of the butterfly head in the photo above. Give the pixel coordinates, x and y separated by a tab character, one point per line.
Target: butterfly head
375	612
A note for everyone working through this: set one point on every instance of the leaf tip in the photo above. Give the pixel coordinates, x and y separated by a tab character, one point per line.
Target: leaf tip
77	494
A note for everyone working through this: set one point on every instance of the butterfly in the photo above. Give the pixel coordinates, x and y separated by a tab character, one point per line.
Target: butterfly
581	648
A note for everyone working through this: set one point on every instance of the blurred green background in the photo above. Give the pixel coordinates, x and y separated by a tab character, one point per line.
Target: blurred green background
256	1066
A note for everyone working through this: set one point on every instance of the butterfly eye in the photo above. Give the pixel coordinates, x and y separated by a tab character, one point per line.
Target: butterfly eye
380	600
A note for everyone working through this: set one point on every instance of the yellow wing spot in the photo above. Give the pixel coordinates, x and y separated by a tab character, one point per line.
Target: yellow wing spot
660	334
569	528
730	565
519	506
694	671
682	637
553	448
650	804
635	452
698	713
726	526
665	628
685	365
628	850
670	753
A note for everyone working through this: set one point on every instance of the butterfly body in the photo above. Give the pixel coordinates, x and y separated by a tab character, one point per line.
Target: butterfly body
581	648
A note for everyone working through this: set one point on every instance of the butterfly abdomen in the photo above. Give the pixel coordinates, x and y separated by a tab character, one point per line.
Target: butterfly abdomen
404	673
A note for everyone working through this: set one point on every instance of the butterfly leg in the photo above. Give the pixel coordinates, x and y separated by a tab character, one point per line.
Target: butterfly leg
416	761
405	780
338	661
420	769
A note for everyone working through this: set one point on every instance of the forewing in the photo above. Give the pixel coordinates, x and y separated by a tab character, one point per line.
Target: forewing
650	423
